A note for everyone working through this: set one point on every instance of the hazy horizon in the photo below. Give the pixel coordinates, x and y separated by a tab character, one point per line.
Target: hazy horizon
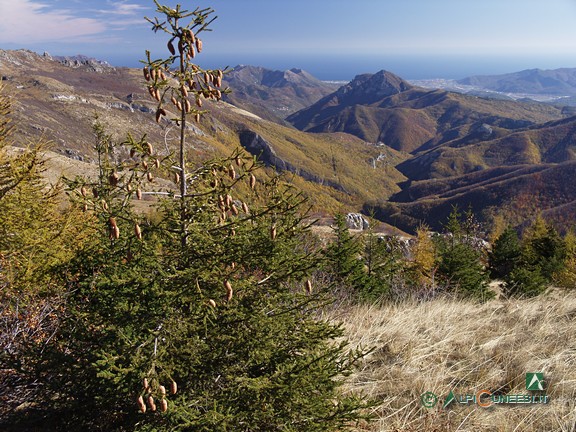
333	40
409	68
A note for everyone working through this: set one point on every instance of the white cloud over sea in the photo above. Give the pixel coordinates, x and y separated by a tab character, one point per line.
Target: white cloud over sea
30	21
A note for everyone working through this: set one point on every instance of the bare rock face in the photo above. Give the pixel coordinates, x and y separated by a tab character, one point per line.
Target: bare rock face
357	221
485	131
261	148
266	154
87	63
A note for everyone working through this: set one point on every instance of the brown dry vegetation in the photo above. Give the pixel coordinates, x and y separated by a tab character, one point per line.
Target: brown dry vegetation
445	345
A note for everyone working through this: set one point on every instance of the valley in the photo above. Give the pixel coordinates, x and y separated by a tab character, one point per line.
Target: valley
425	149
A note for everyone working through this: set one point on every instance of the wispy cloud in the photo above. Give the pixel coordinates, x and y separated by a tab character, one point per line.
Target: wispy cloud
29	21
120	15
34	21
124	8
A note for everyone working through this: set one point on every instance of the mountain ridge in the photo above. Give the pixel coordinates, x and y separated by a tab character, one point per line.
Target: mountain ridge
274	94
560	81
431	150
56	103
412	119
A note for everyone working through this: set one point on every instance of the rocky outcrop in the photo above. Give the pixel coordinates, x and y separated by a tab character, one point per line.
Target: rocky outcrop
81	61
484	131
262	149
266	154
357	221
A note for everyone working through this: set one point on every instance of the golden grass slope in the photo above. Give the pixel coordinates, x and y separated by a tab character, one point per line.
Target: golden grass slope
451	345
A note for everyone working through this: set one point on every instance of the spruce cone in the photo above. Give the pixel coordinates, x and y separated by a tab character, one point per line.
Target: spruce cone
151	403
113	179
112	222
115	234
138	231
229	290
141	404
164	405
190	36
171	48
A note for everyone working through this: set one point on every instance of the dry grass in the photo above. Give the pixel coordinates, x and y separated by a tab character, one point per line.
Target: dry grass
445	345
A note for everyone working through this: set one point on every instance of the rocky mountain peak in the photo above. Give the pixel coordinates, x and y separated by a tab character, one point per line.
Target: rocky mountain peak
82	61
369	88
273	94
271	78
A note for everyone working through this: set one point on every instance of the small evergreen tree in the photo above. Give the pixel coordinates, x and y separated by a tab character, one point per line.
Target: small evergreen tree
505	254
461	266
525	280
567	276
384	262
545	249
343	257
36	236
204	320
543	256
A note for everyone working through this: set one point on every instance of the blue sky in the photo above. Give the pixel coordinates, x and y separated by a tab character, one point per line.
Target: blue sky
333	39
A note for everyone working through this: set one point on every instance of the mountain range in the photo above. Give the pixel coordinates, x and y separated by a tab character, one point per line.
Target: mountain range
274	94
560	82
377	144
